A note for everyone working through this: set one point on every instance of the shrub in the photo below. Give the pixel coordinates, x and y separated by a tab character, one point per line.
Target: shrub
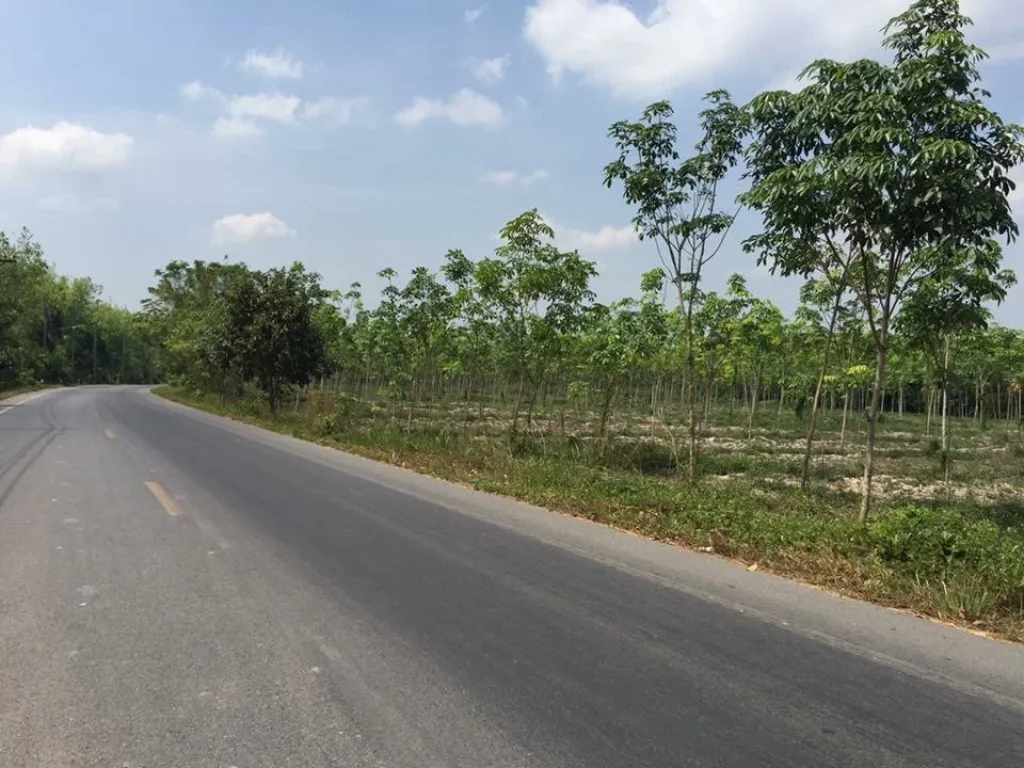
972	563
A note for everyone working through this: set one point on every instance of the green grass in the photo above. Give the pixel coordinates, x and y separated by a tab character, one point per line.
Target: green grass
962	561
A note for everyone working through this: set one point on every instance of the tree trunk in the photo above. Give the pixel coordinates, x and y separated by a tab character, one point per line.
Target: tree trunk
691	396
816	406
755	396
709	394
606	407
946	458
846	409
519	403
872	425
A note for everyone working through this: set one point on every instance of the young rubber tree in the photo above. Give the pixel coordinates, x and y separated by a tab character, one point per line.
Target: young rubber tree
827	290
534	295
951	305
678	208
905	163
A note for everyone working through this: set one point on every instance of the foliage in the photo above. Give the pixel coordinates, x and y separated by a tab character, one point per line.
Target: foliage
269	331
677	204
903	166
55	329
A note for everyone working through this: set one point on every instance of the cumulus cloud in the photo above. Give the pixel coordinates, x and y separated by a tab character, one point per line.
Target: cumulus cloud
235	128
65	146
607	238
264	106
243	113
197	91
279	64
473	14
246	227
465	108
338	111
69	202
488	71
516	178
687	42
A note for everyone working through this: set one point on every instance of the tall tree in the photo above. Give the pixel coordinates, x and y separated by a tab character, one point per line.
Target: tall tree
271	333
905	164
678	208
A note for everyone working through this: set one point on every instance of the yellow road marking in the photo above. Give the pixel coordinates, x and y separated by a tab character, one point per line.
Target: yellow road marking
169	505
110	434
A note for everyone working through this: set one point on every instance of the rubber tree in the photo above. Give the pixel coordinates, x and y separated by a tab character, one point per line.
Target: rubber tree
678	206
621	339
907	160
535	297
945	309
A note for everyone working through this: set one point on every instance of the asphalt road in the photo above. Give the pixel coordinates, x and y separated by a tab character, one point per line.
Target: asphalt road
179	590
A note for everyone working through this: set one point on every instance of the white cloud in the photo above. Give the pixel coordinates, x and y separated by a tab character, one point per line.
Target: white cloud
501	178
465	108
511	178
69	202
336	110
235	128
276	65
197	91
607	238
488	71
246	227
65	146
690	42
264	106
243	112
473	14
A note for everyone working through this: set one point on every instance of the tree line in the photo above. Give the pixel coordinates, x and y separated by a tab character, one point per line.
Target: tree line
58	330
883	186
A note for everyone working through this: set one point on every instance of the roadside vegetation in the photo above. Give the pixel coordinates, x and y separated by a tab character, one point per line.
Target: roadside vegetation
871	442
57	330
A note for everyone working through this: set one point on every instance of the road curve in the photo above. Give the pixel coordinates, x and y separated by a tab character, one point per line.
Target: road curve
180	590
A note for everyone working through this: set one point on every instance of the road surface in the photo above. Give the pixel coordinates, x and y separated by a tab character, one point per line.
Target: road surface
179	590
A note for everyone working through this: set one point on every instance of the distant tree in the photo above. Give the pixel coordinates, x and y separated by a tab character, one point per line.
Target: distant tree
534	295
271	333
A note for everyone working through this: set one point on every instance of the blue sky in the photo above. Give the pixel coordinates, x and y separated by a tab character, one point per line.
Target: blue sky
354	136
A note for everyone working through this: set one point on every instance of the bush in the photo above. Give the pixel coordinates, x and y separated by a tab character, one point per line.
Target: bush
974	562
326	423
254	401
918	539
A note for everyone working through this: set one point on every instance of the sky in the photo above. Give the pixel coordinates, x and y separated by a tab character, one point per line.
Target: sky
354	136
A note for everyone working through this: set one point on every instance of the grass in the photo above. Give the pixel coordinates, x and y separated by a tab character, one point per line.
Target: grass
960	560
24	390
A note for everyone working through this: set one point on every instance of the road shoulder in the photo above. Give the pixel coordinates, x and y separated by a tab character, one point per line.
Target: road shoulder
970	662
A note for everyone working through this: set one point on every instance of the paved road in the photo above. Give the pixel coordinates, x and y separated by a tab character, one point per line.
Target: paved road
179	590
